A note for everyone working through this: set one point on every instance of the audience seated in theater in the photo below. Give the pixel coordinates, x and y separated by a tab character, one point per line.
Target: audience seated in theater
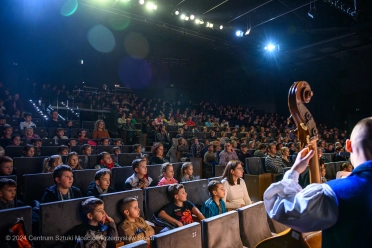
28	151
27	121
105	161
60	134
234	144
6	166
16	114
162	136
86	150
116	151
323	173
285	153
186	172
236	193
166	175
320	155
180	133
15	140
190	122
157	157
8	131
62	189
261	151
2	151
179	212
273	163
100	131
329	148
158	120
227	154
121	120
339	154
53	121
137	148
51	163
3	121
215	204
82	137
8	192
172	152
98	229
72	160
208	123
63	150
243	153
181	123
117	142
196	148
133	228
347	166
140	178
104	142
101	184
29	134
71	143
291	147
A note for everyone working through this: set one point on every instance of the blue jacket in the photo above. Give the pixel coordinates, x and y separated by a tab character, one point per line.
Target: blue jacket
354	200
210	208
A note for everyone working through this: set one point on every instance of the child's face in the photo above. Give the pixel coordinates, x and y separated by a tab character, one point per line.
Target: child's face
133	211
181	196
107	159
323	172
17	141
74	161
220	191
7	168
30	152
64	152
60	133
28	118
38	143
8	193
142	169
138	150
58	162
349	168
117	151
169	173
72	143
105	142
8	131
66	180
98	214
189	170
88	151
104	181
118	143
69	124
83	133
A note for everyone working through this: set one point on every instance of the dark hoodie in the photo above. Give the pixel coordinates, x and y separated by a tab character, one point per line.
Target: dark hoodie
52	194
93	191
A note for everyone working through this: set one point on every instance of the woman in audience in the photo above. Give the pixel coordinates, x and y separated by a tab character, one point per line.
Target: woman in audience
8	131
121	120
157	157
181	123
236	193
285	153
100	130
29	134
28	151
251	144
72	160
208	123
163	137
51	163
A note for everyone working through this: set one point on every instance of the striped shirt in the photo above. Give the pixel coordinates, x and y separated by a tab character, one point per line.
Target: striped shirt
274	164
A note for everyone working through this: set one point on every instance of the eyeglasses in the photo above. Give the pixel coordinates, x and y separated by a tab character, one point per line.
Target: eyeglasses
240	168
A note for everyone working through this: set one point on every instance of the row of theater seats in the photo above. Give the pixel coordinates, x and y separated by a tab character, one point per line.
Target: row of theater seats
246	226
17	151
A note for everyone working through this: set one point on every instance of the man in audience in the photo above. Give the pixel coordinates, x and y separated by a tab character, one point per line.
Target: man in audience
273	163
227	154
243	154
190	122
62	189
54	122
329	148
335	207
261	151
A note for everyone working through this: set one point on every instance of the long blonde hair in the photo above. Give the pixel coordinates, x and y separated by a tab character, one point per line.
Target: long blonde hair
68	161
97	123
50	163
184	167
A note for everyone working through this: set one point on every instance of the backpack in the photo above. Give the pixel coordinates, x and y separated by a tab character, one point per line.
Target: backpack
18	236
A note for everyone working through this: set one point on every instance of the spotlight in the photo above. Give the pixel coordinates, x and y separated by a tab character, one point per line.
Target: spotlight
271	47
221	27
201	21
209	25
142	1
192	17
183	16
311	12
187	18
151	6
177	12
239	33
197	21
248	31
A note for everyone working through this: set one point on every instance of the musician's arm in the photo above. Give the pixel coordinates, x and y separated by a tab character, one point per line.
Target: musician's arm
311	209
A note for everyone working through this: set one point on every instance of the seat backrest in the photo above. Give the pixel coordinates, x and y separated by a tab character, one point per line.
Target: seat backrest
112	201
69	211
330	171
138	244
36	185
26	165
10	216
338	166
41	131
215	178
77	149
49	150
254	166
177	170
14	151
126	149
329	156
154	172
49	142
105	149
88	124
4	142
92	161
215	236
155	199
13	121
82	178
253	224
181	237
119	175
276	227
197	166
126	159
197	191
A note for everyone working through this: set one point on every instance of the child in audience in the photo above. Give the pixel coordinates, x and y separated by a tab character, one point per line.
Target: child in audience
15	140
215	204
117	142
166	175
323	174
99	230
180	210
29	134
139	179
116	151
8	131
72	160
60	134
105	161
27	123
104	142
37	143
86	150
63	150
8	191
101	183
51	163
82	137
62	189
347	167
186	172
28	151
71	143
133	227
6	166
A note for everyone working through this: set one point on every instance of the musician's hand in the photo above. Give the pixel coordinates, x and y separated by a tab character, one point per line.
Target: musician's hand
302	160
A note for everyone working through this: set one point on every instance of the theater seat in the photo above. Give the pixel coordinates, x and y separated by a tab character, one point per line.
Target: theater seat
82	179
36	185
181	237
154	172
197	191
119	175
126	159
215	236
155	199
10	216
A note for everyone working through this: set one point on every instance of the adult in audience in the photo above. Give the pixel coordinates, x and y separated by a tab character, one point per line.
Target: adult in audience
196	148
209	161
236	193
243	153
100	131
53	121
227	154
163	137
130	130
335	207
260	152
273	163
121	120
190	122
286	160
157	157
